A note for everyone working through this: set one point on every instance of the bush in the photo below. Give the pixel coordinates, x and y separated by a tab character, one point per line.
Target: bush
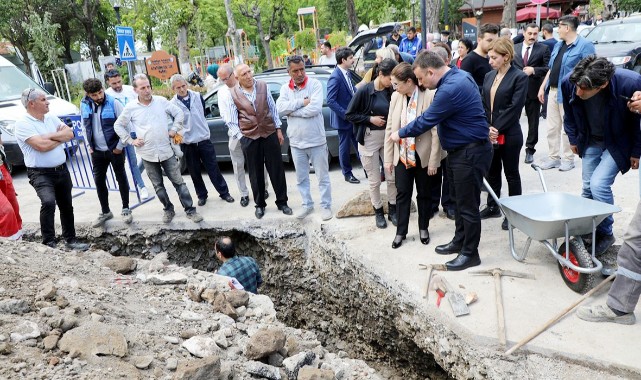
338	39
305	39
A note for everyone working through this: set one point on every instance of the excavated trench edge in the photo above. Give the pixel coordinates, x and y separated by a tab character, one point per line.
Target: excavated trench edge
317	285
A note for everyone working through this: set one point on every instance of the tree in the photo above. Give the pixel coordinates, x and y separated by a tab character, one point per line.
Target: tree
232	32
477	12
252	11
45	48
86	11
13	15
509	14
351	17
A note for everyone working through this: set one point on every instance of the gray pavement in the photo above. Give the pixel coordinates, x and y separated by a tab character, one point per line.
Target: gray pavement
528	303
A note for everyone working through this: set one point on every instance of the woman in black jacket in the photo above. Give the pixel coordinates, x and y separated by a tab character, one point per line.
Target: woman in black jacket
368	112
504	90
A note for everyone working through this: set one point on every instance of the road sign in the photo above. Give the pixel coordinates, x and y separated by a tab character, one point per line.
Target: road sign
126	46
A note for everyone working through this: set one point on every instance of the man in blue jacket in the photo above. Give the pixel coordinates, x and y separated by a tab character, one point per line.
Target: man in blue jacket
602	130
99	113
340	90
411	44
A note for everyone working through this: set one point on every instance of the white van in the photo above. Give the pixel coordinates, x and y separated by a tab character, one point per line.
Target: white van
12	82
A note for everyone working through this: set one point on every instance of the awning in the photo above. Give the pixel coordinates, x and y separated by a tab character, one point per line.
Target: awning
529	13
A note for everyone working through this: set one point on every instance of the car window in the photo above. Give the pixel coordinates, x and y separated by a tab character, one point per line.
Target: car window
274	88
211	106
616	32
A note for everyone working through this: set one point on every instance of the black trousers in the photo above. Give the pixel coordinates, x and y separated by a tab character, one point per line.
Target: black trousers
441	189
466	168
53	186
204	152
405	180
506	157
265	152
101	162
533	112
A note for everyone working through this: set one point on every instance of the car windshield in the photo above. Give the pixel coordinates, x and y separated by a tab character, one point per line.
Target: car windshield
13	82
616	33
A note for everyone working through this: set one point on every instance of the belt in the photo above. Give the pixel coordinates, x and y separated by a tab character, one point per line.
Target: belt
58	168
199	142
470	145
554	88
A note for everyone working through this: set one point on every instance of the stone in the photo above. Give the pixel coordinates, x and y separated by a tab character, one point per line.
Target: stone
5	348
191	316
47	291
14	306
68	282
172	339
201	346
94	338
194	293
121	264
167	279
171	364
264	342
159	262
62	302
293	364
25	330
221	305
97	317
221	341
311	373
263	370
275	359
186	334
68	322
49	311
209	295
361	205
237	297
142	362
50	342
200	369
54	361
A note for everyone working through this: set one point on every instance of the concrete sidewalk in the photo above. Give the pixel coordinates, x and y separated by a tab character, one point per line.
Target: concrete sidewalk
528	303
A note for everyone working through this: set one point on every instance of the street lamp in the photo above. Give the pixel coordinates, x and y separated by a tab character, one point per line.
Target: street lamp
116	7
413	4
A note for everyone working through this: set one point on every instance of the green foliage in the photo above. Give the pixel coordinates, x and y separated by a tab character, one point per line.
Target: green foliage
455	17
338	39
305	39
45	48
278	46
630	5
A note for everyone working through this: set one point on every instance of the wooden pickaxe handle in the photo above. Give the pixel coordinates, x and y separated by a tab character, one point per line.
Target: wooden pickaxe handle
500	314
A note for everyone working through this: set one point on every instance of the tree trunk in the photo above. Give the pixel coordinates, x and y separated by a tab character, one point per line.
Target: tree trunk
233	34
431	16
509	14
183	49
351	17
149	37
25	58
65	38
264	41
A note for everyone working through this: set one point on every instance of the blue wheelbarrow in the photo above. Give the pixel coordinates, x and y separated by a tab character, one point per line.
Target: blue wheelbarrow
548	216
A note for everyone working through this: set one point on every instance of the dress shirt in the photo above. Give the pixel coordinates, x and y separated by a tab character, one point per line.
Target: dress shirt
224	98
150	123
231	111
348	78
525	47
126	95
27	127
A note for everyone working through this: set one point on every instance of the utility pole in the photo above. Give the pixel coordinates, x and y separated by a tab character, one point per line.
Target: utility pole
130	70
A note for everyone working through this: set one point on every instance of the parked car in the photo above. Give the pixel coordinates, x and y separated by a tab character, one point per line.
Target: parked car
366	43
275	79
619	41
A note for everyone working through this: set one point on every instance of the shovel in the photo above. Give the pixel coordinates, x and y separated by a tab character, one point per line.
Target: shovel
456	299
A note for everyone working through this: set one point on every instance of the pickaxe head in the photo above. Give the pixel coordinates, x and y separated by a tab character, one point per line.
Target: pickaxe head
502	272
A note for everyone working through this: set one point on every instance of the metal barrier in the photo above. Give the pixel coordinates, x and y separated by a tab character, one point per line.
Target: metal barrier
81	168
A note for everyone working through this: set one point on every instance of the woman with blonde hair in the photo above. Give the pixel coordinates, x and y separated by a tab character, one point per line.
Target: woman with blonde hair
504	91
415	160
372	73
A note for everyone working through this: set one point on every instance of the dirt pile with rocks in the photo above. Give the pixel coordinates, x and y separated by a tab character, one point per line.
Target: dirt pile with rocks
69	315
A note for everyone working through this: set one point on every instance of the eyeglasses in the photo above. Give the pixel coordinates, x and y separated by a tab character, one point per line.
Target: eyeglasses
28	94
226	79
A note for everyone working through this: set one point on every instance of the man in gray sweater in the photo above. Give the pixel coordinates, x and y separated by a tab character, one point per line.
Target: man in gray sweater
301	100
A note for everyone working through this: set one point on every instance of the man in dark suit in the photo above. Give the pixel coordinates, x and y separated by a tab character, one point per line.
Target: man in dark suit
340	89
533	58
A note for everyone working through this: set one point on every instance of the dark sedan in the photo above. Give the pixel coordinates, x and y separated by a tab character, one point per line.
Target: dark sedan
275	80
619	41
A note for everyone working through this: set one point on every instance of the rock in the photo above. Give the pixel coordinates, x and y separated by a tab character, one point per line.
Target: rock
94	338
191	316
201	346
47	291
121	264
194	293
471	297
209	295
25	330
159	262
172	339
186	334
201	369
142	362
275	359
50	342
221	341
263	370
68	282
68	322
53	361
5	348
311	373
294	363
167	279
14	306
237	297
49	311
172	364
265	342
360	205
62	302
97	317
221	305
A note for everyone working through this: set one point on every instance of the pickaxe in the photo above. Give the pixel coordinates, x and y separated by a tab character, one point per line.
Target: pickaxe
497	273
429	268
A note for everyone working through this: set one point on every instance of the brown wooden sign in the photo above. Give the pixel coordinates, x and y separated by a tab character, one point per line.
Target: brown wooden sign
161	65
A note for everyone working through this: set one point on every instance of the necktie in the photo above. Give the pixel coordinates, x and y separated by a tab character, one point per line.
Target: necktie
526	56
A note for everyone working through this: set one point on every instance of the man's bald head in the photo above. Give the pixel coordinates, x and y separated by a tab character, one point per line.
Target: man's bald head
244	76
225	246
226	75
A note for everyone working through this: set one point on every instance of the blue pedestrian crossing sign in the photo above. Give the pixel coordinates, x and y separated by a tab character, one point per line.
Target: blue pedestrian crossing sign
126	47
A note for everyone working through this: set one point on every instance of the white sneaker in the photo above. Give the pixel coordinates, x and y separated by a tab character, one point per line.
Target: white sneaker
304	212
102	218
326	214
566	165
144	194
548	163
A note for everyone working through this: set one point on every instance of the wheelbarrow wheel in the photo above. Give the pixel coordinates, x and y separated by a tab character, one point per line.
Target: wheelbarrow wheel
579	256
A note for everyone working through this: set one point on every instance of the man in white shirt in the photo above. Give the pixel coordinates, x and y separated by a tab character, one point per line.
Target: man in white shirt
148	115
124	94
327	57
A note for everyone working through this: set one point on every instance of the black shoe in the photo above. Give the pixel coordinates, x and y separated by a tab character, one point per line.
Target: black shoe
76	245
266	194
490	212
504	224
529	158
351	179
228	198
202	201
260	212
447	249
244	201
391	214
398	241
424	236
434	213
285	209
380	217
462	262
450	214
51	244
603	242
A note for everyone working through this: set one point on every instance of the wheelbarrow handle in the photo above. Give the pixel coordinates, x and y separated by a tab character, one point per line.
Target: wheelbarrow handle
540	173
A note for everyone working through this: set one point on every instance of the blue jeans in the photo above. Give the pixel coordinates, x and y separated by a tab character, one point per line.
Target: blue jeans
318	156
136	170
599	171
172	170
